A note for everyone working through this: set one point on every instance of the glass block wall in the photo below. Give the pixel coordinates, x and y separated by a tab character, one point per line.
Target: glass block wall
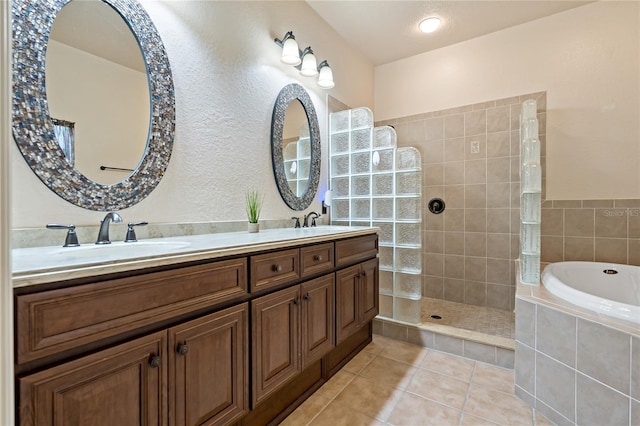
297	161
530	194
375	183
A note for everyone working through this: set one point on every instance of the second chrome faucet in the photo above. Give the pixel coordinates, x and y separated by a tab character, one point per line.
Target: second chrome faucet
313	216
103	233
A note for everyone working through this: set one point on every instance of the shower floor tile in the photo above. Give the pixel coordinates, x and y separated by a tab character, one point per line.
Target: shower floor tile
480	319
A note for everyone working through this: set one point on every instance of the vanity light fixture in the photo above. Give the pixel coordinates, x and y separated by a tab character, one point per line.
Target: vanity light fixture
305	61
429	25
309	67
290	51
325	79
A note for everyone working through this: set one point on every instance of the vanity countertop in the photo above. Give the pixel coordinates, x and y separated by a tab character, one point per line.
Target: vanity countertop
40	265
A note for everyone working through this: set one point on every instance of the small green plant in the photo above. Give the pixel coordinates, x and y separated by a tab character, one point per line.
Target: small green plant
254	205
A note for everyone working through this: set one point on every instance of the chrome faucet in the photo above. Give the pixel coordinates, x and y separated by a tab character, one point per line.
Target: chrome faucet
103	234
313	219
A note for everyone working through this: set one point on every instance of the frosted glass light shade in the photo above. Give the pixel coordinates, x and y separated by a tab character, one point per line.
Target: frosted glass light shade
290	52
325	79
309	65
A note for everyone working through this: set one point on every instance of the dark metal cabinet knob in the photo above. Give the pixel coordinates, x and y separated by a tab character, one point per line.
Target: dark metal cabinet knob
277	268
183	349
155	361
317	258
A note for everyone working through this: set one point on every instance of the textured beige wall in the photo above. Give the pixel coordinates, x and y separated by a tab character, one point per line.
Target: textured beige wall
586	59
227	74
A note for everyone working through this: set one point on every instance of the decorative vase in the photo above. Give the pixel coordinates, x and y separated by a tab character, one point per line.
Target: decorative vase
254	227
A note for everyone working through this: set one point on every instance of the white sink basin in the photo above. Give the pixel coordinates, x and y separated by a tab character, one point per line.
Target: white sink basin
119	249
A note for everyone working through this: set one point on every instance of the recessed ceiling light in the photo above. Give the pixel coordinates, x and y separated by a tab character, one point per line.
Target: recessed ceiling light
429	25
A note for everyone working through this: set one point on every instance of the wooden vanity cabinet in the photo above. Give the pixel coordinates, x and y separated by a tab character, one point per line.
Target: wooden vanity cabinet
357	300
291	328
204	367
123	385
209	368
234	341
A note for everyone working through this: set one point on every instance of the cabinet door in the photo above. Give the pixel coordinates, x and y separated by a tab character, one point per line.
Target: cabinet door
209	368
123	385
275	341
369	282
347	304
318	323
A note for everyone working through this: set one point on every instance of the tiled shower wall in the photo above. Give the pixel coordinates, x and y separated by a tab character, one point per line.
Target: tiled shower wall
591	230
470	159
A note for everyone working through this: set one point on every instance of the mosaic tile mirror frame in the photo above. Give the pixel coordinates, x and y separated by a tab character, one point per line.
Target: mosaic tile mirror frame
33	128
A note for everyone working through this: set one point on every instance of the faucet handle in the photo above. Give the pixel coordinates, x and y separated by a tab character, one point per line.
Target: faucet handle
313	220
297	219
131	234
72	238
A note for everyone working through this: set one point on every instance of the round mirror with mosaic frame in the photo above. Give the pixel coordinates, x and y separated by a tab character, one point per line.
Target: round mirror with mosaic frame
33	127
296	193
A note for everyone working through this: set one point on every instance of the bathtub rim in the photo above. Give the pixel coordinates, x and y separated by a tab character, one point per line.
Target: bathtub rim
600	305
540	295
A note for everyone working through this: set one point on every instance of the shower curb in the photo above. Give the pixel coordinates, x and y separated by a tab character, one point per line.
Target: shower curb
476	346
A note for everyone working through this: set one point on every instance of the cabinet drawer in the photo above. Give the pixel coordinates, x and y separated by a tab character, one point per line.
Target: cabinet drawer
316	259
57	320
273	269
356	249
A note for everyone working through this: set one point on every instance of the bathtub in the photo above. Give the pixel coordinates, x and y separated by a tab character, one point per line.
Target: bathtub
606	288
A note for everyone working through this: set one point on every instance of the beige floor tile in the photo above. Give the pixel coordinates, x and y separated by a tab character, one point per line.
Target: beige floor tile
413	410
440	388
405	352
305	413
469	420
377	344
499	407
371	398
490	376
359	362
334	385
451	365
390	372
337	414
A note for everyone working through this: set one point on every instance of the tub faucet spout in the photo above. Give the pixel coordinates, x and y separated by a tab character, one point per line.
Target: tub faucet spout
103	234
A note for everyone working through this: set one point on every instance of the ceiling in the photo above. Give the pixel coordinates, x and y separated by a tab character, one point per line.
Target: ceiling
387	30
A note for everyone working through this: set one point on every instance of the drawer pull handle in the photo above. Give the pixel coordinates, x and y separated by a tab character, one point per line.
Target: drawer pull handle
277	268
317	258
183	349
155	361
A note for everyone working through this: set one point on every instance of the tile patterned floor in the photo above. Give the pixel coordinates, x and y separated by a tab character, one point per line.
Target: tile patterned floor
495	322
396	383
